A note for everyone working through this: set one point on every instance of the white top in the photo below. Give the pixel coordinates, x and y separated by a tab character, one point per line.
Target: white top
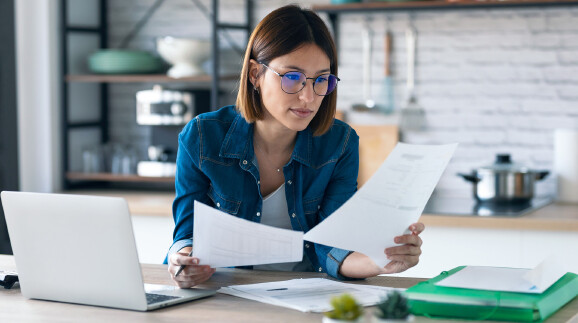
276	214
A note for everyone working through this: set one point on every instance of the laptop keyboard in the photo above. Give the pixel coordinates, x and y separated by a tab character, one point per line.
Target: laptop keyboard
157	298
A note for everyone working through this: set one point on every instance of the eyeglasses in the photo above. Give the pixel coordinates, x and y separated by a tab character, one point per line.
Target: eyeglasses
293	82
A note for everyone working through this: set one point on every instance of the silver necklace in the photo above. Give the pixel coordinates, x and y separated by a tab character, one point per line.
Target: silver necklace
278	169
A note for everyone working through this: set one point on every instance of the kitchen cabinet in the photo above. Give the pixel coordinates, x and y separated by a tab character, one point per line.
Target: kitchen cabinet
522	242
447	247
378	135
85	30
375	144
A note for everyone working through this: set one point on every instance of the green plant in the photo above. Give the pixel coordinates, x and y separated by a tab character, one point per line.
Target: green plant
394	307
345	308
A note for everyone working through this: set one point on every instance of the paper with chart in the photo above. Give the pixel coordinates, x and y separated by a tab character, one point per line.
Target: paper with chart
392	199
307	295
223	240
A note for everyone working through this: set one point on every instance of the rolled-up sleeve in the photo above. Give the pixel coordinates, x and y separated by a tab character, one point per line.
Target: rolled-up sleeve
180	244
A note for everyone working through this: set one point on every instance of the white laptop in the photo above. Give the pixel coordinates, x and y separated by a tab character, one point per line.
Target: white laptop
81	249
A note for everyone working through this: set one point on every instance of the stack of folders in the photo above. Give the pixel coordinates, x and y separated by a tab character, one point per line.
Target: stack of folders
432	300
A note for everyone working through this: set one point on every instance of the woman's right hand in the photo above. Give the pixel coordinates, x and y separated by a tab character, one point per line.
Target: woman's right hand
193	274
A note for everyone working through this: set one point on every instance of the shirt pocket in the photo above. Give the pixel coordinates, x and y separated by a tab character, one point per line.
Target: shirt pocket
311	206
223	203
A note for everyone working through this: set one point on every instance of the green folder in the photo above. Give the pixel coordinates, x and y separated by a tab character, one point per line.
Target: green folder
430	300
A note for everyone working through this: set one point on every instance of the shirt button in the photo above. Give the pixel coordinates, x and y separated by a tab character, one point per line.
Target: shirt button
289	182
293	215
218	204
258	213
318	207
306	245
258	182
244	162
320	269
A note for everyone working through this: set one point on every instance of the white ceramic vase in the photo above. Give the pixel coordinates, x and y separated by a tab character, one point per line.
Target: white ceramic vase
186	55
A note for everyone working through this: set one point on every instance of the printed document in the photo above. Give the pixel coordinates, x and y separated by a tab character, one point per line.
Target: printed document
392	199
307	295
519	280
223	240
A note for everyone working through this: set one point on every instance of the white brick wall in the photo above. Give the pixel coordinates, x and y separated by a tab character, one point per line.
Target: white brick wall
495	80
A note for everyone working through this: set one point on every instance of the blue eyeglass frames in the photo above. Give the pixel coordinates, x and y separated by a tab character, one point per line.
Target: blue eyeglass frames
293	82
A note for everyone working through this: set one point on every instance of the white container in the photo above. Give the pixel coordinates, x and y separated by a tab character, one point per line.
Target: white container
376	319
186	55
566	164
330	320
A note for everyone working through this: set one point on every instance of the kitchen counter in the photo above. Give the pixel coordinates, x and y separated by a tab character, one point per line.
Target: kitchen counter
139	202
449	240
553	217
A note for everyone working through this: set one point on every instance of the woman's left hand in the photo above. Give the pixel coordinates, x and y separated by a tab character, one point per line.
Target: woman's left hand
407	255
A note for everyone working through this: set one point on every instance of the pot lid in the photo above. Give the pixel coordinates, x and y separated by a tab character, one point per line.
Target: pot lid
503	163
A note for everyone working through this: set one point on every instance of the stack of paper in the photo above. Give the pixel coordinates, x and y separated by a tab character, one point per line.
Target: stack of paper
483	293
498	279
307	295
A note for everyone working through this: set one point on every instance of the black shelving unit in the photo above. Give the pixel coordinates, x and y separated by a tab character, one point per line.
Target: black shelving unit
334	11
72	180
102	123
216	49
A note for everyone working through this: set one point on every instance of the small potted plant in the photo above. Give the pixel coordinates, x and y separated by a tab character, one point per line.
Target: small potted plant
345	309
393	309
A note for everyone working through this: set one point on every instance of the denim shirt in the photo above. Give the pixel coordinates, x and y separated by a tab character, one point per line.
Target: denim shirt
216	165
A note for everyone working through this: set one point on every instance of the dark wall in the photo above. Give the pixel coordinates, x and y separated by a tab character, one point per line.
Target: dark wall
8	110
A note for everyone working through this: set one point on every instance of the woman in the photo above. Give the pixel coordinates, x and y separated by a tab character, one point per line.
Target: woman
278	157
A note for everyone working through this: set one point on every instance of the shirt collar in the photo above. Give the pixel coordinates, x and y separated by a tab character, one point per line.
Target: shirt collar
238	142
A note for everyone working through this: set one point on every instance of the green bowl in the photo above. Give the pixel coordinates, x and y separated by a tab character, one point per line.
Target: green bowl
118	61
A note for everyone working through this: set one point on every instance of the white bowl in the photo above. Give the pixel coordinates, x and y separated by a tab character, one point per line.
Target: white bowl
185	54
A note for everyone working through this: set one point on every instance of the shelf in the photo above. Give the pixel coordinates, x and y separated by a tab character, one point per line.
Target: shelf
437	4
136	78
101	86
109	177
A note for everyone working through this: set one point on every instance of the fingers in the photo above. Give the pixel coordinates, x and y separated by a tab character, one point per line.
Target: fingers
193	271
400	263
408	239
407	260
405	250
404	256
192	274
416	228
180	259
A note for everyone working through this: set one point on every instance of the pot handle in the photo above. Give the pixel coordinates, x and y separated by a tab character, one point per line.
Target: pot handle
541	174
470	177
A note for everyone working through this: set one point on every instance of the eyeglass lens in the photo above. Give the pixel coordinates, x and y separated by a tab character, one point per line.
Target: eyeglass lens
293	82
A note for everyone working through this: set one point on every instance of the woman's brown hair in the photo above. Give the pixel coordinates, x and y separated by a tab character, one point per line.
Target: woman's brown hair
281	32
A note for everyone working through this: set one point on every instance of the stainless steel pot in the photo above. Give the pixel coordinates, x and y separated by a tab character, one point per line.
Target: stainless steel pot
504	181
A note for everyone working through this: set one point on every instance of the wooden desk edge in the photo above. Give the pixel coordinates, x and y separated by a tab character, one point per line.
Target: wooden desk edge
222	306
